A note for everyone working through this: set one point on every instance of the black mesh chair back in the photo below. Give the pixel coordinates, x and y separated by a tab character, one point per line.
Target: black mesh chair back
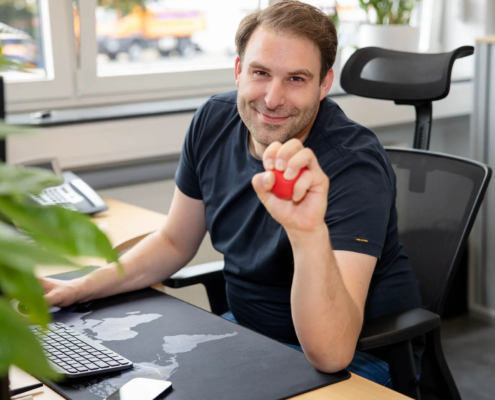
405	78
438	197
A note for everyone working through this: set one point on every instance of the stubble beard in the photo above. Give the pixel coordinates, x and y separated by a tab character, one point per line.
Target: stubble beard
265	133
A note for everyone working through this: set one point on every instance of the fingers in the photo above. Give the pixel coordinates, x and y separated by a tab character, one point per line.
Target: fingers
277	155
290	157
303	158
270	155
46	284
54	295
302	186
263	185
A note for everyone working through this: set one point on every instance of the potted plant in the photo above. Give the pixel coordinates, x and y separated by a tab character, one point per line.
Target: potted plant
388	25
33	235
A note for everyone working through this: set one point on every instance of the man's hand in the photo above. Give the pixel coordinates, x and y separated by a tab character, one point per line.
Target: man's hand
306	211
61	293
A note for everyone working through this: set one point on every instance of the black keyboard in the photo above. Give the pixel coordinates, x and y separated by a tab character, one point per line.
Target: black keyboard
75	355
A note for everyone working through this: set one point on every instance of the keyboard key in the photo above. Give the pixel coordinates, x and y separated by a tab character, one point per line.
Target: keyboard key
101	364
74	353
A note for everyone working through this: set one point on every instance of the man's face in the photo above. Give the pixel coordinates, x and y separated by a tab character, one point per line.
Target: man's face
279	89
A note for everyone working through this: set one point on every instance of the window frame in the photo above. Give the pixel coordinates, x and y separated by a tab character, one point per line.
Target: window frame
59	56
171	84
75	83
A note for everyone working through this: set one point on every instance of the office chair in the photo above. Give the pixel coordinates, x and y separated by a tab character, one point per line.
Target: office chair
438	198
406	78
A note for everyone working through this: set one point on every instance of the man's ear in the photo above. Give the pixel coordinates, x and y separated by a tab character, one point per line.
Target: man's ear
326	84
237	70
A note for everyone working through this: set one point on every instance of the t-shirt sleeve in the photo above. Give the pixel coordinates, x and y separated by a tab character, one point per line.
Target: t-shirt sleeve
359	205
186	176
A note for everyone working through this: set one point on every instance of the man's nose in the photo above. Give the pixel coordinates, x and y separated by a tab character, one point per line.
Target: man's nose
275	95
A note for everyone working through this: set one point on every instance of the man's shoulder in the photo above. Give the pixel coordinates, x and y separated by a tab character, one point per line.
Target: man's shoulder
348	140
226	97
218	109
220	103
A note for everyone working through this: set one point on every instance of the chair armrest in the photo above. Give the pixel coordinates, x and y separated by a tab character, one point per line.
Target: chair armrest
397	328
202	273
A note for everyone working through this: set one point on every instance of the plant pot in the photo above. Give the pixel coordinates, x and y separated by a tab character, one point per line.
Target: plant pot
392	37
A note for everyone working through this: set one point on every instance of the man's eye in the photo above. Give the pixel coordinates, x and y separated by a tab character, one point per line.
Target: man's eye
297	79
261	73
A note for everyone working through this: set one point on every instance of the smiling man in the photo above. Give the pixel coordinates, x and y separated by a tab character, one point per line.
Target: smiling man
307	271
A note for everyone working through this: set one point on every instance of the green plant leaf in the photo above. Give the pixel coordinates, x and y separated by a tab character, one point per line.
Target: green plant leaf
18	251
59	230
22	285
18	345
7	129
16	180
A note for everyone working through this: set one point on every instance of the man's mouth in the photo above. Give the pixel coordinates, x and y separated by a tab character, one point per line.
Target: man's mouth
272	119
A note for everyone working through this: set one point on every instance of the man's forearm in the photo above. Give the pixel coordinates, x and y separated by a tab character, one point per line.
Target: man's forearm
151	261
326	318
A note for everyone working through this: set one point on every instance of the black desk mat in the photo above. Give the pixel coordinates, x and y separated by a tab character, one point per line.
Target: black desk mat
203	355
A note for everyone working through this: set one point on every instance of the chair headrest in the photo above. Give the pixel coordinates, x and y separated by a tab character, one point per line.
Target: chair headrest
406	78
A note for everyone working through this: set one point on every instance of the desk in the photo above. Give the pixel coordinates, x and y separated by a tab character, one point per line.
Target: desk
125	225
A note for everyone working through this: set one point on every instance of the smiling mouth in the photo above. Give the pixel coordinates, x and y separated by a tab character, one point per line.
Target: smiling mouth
269	118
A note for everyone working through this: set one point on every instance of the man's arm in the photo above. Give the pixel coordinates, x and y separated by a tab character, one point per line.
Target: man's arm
329	288
327	299
153	260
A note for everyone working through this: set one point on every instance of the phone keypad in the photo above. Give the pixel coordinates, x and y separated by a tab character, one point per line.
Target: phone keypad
59	195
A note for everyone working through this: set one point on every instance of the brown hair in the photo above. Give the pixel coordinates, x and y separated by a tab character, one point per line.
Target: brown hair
293	18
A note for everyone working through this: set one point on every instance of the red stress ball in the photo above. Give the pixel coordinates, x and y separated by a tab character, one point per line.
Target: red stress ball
283	188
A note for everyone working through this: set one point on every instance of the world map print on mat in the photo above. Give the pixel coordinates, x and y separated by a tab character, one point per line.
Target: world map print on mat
106	330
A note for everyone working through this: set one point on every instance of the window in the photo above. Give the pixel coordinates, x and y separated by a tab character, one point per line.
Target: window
167	36
170	46
27	33
22	42
90	52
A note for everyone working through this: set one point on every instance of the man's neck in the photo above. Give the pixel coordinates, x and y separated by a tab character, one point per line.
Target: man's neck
257	149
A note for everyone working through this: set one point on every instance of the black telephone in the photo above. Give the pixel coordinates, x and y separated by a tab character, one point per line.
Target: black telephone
73	194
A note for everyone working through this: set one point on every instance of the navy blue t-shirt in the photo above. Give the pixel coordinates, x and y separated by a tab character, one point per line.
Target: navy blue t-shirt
217	167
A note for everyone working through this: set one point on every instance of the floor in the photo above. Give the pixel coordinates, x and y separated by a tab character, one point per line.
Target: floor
469	347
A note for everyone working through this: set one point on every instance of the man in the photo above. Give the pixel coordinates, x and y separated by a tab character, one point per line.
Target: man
306	271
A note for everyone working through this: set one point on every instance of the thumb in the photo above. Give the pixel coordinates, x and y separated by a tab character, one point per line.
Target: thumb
263	185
